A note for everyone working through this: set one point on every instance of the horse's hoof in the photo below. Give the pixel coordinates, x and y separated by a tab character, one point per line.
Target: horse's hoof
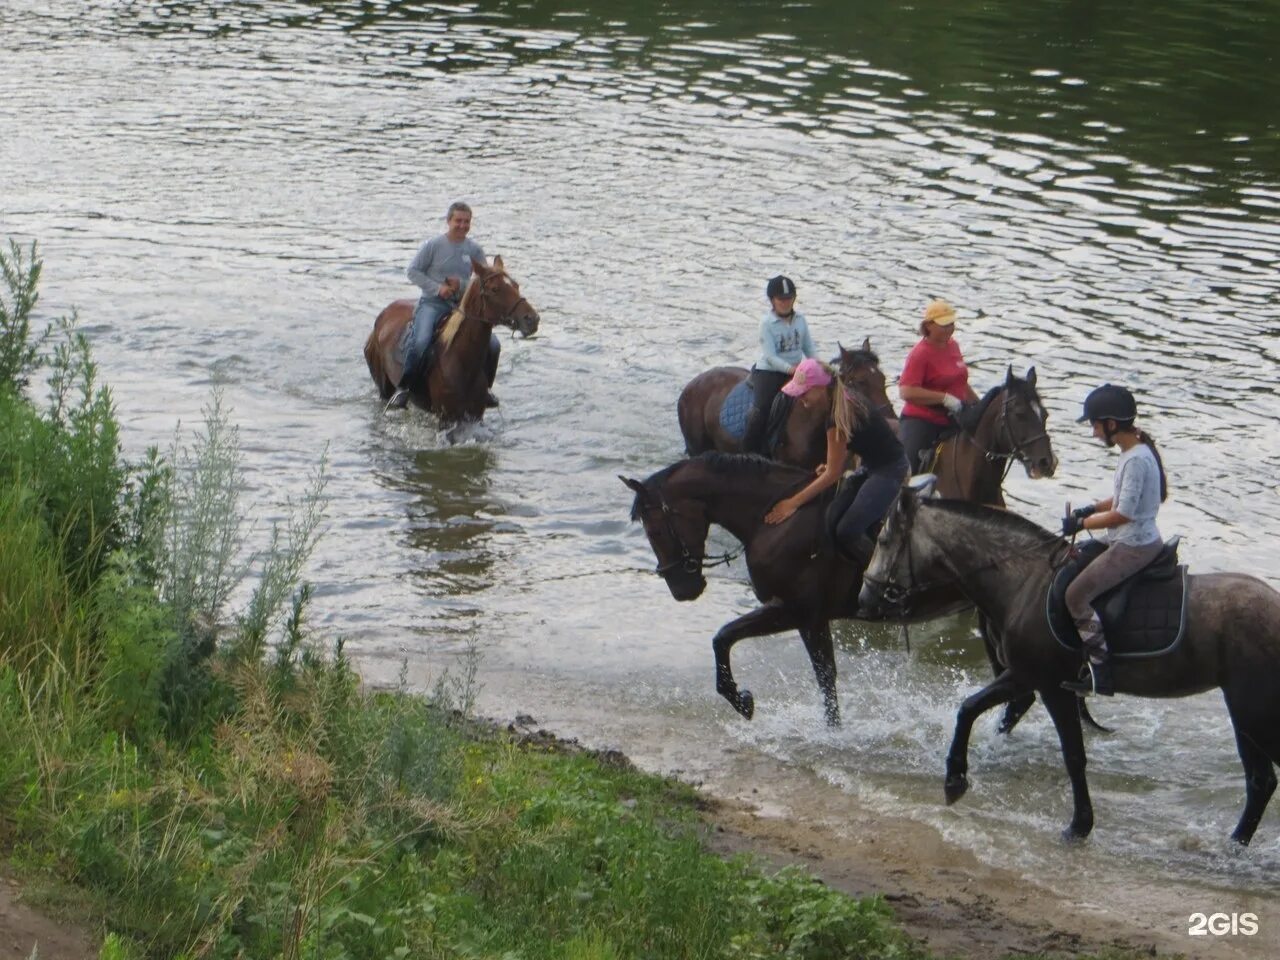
833	720
1076	833
745	704
955	787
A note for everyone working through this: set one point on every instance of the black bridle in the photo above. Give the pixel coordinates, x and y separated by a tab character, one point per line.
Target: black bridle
1017	447
688	561
507	319
846	378
898	595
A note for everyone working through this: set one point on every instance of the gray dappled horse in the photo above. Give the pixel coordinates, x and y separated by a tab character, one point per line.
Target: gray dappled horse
1004	564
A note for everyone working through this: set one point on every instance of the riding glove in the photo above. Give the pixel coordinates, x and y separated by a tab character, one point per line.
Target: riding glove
1083	512
1072	524
953	404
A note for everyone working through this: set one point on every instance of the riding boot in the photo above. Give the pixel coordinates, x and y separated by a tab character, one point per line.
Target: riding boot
1097	660
858	553
753	431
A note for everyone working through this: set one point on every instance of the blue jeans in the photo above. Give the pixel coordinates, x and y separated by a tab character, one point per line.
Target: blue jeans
426	317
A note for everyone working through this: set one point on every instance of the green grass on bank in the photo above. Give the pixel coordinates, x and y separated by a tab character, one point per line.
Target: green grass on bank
216	783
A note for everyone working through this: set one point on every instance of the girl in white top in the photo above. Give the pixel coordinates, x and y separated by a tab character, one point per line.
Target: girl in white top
1128	516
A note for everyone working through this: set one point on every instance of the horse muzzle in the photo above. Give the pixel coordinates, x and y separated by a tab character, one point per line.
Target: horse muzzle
684	586
527	324
1041	468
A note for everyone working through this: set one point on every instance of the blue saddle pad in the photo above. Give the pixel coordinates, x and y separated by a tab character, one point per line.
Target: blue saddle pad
733	412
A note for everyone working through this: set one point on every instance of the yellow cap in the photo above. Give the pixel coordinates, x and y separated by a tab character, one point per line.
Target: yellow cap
940	312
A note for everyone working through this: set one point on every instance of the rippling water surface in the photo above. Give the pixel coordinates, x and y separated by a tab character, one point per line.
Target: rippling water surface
228	194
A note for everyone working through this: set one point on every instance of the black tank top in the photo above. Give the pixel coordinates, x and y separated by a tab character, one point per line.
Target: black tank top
874	441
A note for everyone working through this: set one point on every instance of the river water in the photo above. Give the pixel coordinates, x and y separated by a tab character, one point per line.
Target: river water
228	194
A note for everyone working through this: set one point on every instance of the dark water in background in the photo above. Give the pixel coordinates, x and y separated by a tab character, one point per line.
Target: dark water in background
228	193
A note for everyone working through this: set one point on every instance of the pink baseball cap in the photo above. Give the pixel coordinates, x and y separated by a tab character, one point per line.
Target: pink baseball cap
809	375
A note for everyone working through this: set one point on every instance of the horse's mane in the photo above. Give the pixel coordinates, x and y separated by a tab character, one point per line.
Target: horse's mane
454	321
725	464
1002	519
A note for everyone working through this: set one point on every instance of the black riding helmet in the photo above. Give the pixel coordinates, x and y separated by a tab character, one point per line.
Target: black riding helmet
1109	402
780	286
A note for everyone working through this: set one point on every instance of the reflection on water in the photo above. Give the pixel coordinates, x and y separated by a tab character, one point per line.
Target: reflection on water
230	192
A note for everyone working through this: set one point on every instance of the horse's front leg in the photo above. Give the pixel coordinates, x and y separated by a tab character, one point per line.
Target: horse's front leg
1001	690
1062	707
822	654
1019	705
771	618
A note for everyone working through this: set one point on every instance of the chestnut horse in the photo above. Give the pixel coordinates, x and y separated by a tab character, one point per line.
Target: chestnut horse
803	441
456	385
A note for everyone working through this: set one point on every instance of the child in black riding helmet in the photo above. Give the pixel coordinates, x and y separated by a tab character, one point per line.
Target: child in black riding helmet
1128	516
784	342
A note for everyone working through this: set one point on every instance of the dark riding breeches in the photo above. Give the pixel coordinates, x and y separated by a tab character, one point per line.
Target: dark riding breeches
765	385
919	438
869	507
1116	564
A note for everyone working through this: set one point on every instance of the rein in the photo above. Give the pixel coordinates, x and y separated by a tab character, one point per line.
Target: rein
1017	447
507	319
688	561
898	595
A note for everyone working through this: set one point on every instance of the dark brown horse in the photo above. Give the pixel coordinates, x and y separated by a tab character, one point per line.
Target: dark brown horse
1004	565
456	385
803	441
801	581
1012	426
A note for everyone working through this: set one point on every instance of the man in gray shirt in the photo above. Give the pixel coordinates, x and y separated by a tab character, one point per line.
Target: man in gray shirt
442	269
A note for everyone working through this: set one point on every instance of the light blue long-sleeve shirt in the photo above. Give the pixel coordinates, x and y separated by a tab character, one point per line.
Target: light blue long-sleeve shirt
784	343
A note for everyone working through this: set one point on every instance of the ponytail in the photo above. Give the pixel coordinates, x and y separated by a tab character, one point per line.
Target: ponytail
1151	444
848	409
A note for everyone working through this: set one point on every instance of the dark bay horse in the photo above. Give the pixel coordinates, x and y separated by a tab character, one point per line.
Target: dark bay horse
803	442
801	581
456	385
1004	563
1012	425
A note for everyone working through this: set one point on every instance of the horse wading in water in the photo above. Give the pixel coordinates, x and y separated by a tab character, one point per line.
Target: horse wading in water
457	384
1004	565
802	582
1011	424
802	440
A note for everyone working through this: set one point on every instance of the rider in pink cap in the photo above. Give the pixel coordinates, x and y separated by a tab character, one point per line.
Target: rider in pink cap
854	427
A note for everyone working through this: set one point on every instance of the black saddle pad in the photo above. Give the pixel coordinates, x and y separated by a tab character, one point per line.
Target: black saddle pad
1146	616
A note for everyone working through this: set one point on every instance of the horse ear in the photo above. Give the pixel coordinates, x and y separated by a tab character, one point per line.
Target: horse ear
840	347
635	485
497	263
1031	376
866	345
1008	377
480	267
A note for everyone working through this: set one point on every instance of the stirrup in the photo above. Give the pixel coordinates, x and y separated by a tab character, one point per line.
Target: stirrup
399	400
1095	679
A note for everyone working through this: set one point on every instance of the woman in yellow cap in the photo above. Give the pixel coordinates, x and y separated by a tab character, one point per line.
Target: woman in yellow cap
934	385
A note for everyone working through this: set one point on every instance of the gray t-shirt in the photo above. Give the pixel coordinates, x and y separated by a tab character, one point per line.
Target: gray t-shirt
440	258
1137	496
